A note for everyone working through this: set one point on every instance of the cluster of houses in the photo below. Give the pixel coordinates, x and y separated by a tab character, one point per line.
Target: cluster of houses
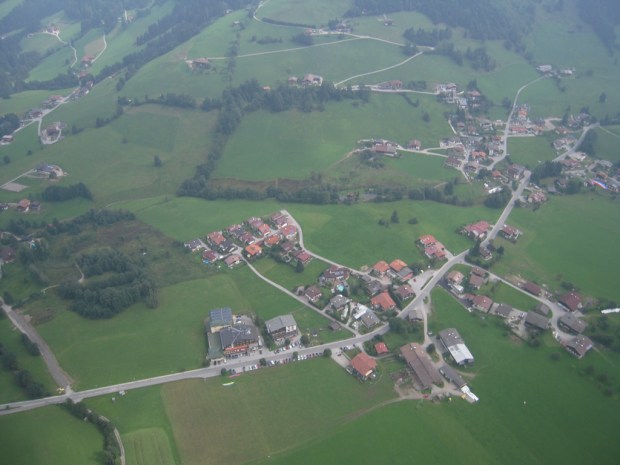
23	206
433	249
248	240
305	81
231	336
470	151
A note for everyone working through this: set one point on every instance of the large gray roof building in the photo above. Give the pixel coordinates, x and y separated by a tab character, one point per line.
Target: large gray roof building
453	342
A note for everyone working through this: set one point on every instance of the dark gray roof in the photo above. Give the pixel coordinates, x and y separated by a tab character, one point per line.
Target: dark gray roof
536	320
338	301
450	337
280	323
503	310
542	309
220	317
238	335
580	345
573	323
452	375
370	319
419	362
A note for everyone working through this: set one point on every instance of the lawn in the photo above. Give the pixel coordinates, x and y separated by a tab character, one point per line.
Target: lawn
287	276
300	12
142	342
502	293
501	428
48	435
148	447
312	142
552	248
530	151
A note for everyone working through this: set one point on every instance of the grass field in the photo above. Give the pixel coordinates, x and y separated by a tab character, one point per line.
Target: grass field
530	151
39	43
148	447
552	248
500	428
260	150
23	101
287	276
502	293
607	143
48	435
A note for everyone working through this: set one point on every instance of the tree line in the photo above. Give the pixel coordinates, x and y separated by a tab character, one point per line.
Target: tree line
8	124
603	16
23	378
63	193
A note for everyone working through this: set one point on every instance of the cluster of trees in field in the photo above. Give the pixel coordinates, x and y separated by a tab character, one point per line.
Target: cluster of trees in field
478	58
483	19
124	284
62	193
548	169
423	37
111	451
23	378
8	123
603	16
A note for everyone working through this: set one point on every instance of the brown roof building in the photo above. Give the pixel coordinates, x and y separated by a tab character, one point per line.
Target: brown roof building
571	301
383	302
420	365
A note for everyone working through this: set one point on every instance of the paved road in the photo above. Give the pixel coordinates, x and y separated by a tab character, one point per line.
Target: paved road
60	377
499	224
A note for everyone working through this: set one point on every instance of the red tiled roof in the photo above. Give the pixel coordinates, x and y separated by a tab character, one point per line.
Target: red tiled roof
363	364
381	348
427	239
381	266
384	301
398	265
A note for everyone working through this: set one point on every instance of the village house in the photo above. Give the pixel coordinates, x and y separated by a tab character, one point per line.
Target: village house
219	319
532	288
455	278
542	309
383	302
363	366
7	254
338	302
380	268
571	324
253	251
369	319
579	346
312	80
476	231
385	148
279	220
420	365
247	238
453	376
381	348
233	260
475	281
302	257
535	321
436	251
502	311
372	286
452	341
414	144
289	232
215	238
281	327
313	294
482	303
239	338
404	292
571	301
537	198
23	206
272	240
390	85
200	63
210	256
510	233
453	162
334	274
194	245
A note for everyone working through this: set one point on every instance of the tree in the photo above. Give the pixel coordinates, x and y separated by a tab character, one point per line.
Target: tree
157	161
295	355
327	353
394	218
8	298
305	340
287	342
426	117
263	362
223	372
431	348
602	98
299	267
7	159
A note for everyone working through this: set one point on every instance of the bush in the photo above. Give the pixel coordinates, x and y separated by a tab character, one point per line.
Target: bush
327	353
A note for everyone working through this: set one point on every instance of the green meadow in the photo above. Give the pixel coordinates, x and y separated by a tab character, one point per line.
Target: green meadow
319	12
530	151
559	245
502	293
512	423
271	409
607	143
48	435
286	275
261	149
23	101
